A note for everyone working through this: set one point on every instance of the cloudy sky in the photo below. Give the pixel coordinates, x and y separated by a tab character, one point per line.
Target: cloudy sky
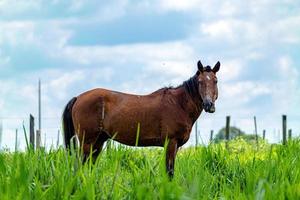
139	46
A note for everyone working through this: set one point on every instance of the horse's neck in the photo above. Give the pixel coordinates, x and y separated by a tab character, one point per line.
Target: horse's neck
191	105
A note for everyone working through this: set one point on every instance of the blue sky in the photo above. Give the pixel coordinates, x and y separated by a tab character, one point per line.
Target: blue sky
140	46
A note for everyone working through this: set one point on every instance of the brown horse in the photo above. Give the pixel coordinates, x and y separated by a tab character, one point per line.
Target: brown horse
167	114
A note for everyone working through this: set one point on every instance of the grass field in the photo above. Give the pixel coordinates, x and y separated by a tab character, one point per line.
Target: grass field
242	171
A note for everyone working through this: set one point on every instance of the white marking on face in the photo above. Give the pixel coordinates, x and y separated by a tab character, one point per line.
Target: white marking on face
208	77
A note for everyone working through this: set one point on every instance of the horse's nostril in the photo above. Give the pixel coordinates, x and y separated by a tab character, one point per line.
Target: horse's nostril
207	105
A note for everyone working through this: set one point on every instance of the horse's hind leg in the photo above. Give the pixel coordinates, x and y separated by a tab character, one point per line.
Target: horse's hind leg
99	145
96	148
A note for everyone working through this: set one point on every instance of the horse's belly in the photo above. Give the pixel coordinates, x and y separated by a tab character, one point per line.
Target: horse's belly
135	133
141	142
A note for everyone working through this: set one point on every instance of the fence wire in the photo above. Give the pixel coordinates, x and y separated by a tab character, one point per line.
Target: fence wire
51	133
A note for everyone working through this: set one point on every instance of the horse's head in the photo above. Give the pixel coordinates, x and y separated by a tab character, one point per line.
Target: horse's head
208	89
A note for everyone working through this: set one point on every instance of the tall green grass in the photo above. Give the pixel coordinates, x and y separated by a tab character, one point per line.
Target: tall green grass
213	172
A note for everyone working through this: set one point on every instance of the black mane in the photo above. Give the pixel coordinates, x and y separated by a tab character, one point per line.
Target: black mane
191	86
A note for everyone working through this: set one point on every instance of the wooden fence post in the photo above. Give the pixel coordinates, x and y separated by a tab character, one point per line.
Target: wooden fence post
284	126
211	135
227	130
38	139
40	105
16	141
264	134
290	134
255	126
57	141
31	131
45	140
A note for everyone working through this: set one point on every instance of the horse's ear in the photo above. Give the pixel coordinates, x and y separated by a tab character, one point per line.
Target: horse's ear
216	67
200	66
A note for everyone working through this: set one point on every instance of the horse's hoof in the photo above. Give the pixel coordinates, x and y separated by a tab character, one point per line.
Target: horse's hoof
171	175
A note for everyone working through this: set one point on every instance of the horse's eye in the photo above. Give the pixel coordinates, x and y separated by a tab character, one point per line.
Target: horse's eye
216	81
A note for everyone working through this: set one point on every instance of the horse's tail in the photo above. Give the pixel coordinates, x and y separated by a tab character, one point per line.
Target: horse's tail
68	125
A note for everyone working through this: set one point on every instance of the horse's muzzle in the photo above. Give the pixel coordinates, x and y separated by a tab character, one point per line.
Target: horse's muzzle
209	106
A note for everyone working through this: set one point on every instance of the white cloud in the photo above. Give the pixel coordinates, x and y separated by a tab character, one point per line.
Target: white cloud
4	60
13	7
76	5
252	31
141	53
228	8
204	9
179	5
284	65
17	32
59	85
286	30
113	10
244	91
35	33
181	69
286	92
234	31
230	69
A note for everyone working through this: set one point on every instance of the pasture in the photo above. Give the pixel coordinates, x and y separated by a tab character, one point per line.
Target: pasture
240	171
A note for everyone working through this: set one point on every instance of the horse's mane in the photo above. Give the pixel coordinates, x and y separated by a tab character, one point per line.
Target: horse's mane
190	86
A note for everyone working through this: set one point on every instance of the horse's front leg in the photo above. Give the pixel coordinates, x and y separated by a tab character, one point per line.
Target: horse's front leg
170	157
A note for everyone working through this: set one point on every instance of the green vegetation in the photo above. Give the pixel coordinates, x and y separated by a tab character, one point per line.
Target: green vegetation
243	171
234	132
